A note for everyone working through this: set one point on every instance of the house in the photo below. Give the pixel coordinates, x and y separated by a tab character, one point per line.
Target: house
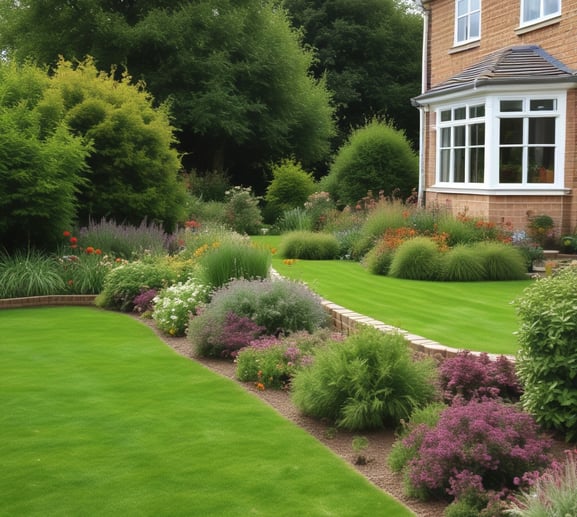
499	109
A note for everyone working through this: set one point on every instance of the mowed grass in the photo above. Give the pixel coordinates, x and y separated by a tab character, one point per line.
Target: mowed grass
469	315
100	418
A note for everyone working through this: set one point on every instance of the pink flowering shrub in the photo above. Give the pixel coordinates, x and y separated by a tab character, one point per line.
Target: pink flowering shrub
478	446
470	376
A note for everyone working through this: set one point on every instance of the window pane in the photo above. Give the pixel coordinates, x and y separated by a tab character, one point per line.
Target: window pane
543	105
474	23
551	7
477	111
460	113
542	131
445	115
462	7
511	131
477	165
459	165
541	165
446	137
444	173
508	106
475	5
459	136
510	165
461	29
477	134
531	10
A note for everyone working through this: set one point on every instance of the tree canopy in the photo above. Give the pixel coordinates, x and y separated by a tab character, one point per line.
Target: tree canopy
235	73
370	51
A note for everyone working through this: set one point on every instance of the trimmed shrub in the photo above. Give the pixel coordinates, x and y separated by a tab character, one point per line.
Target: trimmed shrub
462	264
378	260
242	213
369	381
309	246
123	283
416	259
470	376
547	360
475	447
501	261
376	157
278	306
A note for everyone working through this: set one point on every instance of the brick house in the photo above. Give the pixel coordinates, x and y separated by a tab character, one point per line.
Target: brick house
499	109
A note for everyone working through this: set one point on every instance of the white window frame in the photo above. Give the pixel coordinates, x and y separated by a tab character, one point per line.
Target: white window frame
492	118
466	17
545	11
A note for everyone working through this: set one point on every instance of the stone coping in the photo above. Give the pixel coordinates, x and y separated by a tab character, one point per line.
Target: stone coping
47	301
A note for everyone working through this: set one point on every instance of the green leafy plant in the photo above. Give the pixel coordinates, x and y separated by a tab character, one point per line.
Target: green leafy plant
547	360
360	443
462	263
368	381
242	213
295	219
501	261
309	246
174	305
417	259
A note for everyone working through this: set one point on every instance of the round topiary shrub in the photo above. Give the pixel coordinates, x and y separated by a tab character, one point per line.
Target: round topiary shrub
417	259
462	264
368	381
501	261
309	246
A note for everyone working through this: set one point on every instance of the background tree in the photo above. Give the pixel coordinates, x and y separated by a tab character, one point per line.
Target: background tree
236	73
376	157
41	163
370	51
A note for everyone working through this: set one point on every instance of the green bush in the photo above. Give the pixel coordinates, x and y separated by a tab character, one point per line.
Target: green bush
123	283
501	261
309	246
290	188
295	219
85	273
416	259
29	273
547	360
369	381
234	259
277	306
376	157
462	264
242	213
378	260
212	212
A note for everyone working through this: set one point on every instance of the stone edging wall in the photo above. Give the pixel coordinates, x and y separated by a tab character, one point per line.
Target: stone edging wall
47	301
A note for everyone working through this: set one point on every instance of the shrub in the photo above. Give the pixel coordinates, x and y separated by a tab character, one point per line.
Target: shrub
29	273
376	157
124	240
290	188
234	259
475	447
272	361
378	259
547	360
175	304
144	302
501	261
213	212
368	381
279	306
416	259
209	185
85	272
553	494
309	246
386	215
320	208
462	264
541	229
295	219
471	376
242	213
123	283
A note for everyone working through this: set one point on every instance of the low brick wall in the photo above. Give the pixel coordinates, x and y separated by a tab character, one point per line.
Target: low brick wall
47	301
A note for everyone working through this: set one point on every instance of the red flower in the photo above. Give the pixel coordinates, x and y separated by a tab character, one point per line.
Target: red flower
73	240
90	250
66	233
98	251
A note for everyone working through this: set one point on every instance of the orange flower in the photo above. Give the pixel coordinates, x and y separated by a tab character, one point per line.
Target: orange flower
90	250
98	251
260	386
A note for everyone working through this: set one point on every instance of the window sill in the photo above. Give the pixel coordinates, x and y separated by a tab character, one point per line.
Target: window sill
499	191
461	47
533	26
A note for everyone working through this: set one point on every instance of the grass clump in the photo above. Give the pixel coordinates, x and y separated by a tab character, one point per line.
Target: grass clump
416	259
309	246
501	261
369	381
462	264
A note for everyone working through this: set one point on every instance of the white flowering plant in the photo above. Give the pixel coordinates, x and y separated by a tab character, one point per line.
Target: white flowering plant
174	305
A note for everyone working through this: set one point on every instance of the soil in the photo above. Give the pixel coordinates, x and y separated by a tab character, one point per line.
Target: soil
374	467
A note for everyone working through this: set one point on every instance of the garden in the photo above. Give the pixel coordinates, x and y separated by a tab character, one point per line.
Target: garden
474	434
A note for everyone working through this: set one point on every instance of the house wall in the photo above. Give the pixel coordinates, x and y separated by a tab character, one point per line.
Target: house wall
499	29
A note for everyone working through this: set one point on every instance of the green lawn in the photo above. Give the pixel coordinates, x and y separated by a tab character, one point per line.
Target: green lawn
100	418
472	315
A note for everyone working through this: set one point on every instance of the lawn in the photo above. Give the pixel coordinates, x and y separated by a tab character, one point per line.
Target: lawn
99	417
472	315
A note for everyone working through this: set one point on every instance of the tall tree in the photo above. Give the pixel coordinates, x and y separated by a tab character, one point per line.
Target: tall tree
235	72
370	51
